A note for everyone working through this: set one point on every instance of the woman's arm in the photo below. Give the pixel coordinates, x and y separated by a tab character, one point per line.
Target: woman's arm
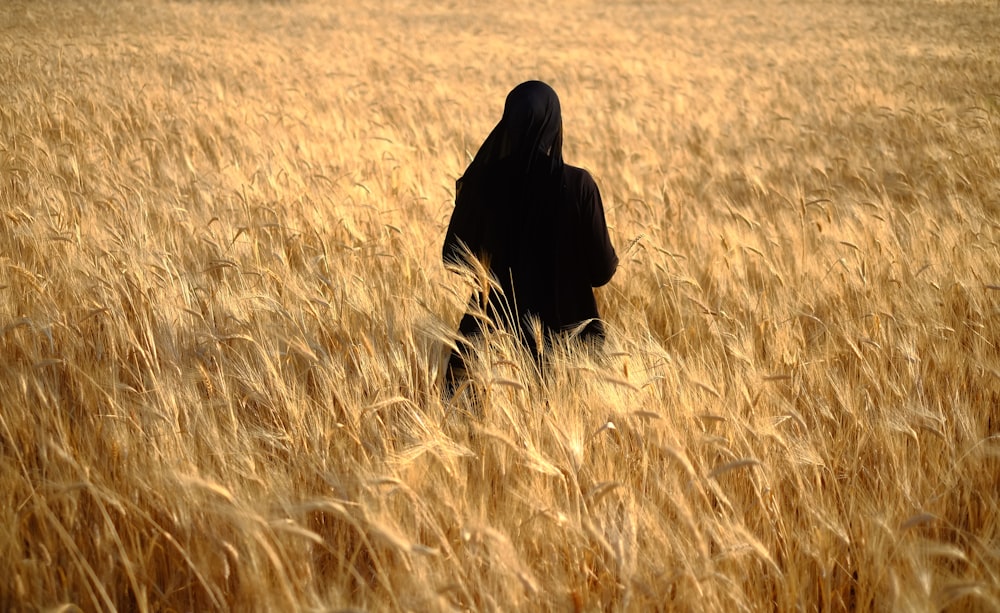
463	230
602	261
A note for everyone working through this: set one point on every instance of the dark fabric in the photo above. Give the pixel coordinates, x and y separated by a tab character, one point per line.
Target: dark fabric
535	222
531	127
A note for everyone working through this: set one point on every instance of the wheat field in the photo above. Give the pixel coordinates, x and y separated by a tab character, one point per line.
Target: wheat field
223	312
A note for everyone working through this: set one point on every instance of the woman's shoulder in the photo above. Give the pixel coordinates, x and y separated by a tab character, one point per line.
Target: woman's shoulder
578	180
576	173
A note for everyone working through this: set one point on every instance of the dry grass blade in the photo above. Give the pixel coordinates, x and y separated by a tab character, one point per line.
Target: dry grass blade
731	466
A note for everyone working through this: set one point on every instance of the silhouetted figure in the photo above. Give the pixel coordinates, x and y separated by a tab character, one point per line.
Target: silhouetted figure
536	223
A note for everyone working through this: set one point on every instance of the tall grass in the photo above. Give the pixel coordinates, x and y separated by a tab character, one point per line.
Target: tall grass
223	317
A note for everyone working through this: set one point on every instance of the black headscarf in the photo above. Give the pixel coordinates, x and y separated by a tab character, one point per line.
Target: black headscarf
531	127
507	208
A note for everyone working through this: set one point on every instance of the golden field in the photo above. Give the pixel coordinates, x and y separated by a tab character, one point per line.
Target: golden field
223	312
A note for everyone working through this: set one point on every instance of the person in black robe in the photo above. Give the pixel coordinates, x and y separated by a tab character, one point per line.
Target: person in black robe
536	224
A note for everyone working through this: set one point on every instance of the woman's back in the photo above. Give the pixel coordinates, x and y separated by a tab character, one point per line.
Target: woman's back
547	252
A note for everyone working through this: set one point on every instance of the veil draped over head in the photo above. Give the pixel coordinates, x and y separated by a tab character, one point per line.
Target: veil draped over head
531	127
508	207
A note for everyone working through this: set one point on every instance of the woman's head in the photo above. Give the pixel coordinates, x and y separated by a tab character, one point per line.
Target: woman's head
531	127
533	121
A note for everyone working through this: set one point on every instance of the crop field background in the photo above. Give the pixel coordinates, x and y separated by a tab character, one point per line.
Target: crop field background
223	312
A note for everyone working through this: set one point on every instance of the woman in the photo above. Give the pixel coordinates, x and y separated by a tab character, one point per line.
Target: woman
536	223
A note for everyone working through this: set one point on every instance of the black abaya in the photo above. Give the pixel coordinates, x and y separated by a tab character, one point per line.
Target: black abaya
536	222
